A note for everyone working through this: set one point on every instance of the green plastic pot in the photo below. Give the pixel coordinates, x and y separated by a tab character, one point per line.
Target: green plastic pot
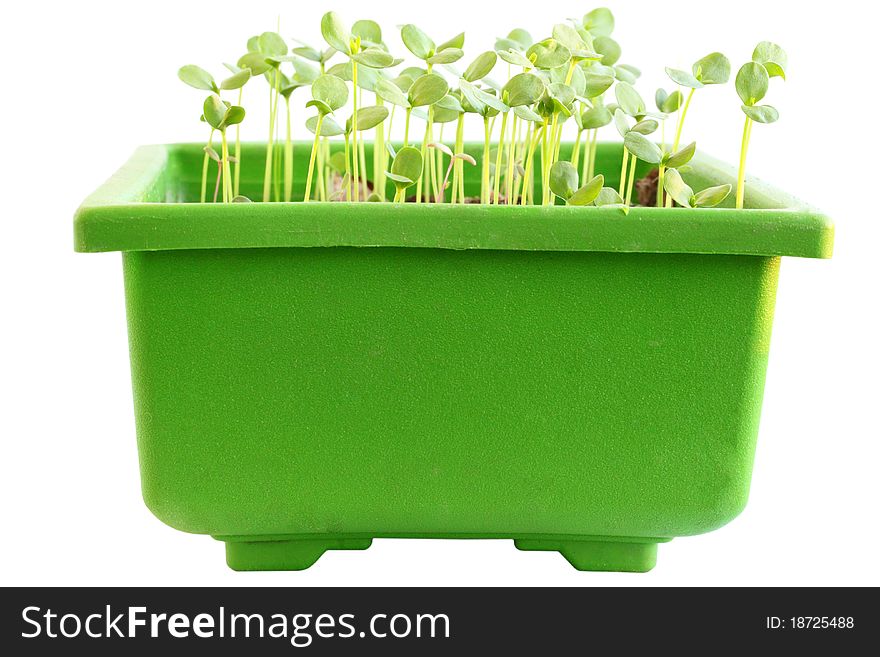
312	376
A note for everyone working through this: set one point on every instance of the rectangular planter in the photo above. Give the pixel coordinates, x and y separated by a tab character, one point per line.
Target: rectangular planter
311	376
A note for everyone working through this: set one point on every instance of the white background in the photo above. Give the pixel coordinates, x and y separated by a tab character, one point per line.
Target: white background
86	82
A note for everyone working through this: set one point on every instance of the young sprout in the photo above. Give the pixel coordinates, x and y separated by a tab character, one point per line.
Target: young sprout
630	104
406	169
199	78
220	115
329	93
368	118
752	82
667	103
522	90
487	105
423	47
264	57
681	193
564	184
454	158
714	68
238	79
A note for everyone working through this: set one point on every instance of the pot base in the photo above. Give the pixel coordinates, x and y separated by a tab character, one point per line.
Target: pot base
588	553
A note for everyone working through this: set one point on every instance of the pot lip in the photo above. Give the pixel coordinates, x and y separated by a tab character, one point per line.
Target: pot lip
117	217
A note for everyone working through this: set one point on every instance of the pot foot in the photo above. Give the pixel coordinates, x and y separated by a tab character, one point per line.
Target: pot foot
285	554
628	555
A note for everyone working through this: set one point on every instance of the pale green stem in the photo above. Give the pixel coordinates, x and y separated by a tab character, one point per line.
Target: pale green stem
406	128
237	178
592	171
378	150
684	111
741	176
354	132
623	173
348	165
496	191
511	156
484	187
456	163
205	162
227	182
632	177
315	146
661	180
530	163
267	176
576	152
288	157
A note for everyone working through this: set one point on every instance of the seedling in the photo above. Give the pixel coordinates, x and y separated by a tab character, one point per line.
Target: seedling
714	68
681	193
564	184
329	93
752	82
405	171
567	75
220	115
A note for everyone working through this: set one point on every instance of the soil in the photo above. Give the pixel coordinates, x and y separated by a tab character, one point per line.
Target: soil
646	188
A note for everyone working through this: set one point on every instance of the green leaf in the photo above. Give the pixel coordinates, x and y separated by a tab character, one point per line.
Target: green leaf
407	167
621	122
569	37
714	68
595	117
320	105
241	199
449	102
752	82
608	48
446	56
645	127
599	22
527	114
369	31
629	99
481	101
272	44
329	127
214	111
443	114
548	54
253	44
337	160
331	91
589	192
625	74
563	179
455	42
515	58
427	90
597	84
211	153
374	58
307	52
304	73
669	103
761	113
521	37
683	78
416	41
371	116
237	80
234	115
256	62
711	196
523	89
676	187
335	32
608	197
773	57
197	77
391	93
680	157
642	147
481	66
